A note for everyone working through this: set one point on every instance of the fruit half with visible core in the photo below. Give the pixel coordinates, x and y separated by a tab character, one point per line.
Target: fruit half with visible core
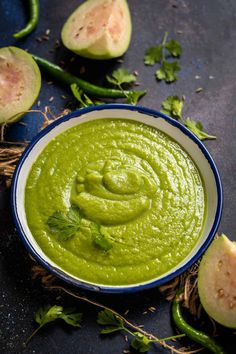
217	281
98	29
20	82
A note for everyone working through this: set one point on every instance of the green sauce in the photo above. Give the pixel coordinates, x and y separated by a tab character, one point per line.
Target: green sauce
133	180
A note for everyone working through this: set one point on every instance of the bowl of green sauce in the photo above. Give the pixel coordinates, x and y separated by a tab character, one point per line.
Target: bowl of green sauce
116	198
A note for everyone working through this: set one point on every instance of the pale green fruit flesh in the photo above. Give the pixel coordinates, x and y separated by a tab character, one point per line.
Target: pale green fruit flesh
20	82
217	281
98	29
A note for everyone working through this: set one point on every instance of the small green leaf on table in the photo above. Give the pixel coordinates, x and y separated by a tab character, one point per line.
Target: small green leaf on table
168	71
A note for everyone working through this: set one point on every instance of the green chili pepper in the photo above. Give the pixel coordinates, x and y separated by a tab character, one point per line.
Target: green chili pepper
198	336
67	78
33	21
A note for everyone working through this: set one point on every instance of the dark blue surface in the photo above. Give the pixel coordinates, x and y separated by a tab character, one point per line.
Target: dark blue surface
207	32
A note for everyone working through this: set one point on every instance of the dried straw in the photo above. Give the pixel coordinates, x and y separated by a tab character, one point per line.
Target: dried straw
10	152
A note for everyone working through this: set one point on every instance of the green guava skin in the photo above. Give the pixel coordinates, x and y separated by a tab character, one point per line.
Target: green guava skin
21	82
100	49
217	281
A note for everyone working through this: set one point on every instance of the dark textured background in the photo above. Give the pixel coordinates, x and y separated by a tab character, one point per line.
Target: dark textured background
208	37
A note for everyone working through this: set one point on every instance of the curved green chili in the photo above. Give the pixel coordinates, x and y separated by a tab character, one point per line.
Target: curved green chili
33	21
198	336
59	74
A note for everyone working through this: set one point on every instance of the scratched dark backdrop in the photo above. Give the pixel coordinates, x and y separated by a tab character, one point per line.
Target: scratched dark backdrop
207	32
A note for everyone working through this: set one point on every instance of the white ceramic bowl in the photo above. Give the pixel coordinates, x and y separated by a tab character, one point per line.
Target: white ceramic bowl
174	129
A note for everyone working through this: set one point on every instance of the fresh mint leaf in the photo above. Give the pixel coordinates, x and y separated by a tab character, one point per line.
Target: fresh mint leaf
84	100
108	318
168	71
173	106
141	342
100	237
65	225
134	96
174	48
121	76
153	55
197	129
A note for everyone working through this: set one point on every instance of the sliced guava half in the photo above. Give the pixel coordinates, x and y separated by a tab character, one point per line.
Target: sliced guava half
20	82
217	281
98	29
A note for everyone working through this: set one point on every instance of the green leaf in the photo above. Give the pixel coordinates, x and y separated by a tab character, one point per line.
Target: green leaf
84	100
197	129
121	76
65	225
174	48
109	330
173	106
168	71
100	237
48	314
106	317
140	342
153	55
134	96
71	317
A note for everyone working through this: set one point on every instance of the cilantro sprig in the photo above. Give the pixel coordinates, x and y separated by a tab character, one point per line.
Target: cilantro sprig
173	106
121	78
197	129
47	314
160	54
114	323
65	225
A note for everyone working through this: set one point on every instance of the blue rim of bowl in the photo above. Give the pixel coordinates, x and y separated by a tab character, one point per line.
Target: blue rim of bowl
116	289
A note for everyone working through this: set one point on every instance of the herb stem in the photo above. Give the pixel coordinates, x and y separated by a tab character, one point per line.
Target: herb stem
32	335
169	338
163	43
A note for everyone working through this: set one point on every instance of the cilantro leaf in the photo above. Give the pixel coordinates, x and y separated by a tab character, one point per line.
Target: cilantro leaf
65	225
100	237
141	342
84	100
48	314
174	48
168	71
71	317
197	129
134	96
121	76
173	106
153	55
114	323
